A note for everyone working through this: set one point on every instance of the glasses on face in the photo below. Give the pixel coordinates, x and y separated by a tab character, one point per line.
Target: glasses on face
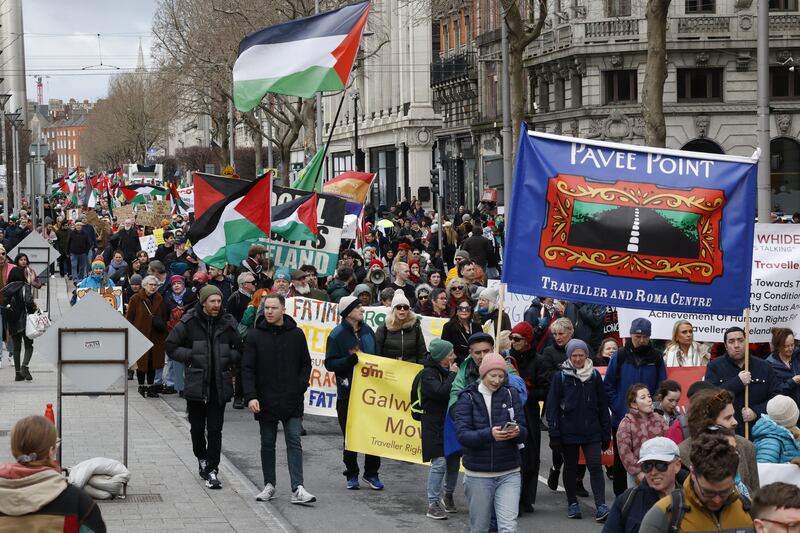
710	494
516	338
463	308
790	527
457	288
423	296
250	281
661	466
402	307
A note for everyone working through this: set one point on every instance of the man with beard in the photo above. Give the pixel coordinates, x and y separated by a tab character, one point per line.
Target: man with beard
127	240
636	362
282	283
311	278
300	286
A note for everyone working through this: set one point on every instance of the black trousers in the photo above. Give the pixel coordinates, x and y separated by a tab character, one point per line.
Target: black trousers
206	419
620	474
530	455
592	453
372	463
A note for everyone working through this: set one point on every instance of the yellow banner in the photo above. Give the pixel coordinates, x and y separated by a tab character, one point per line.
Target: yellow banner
379	414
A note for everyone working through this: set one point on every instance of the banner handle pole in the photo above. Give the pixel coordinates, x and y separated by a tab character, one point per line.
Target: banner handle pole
747	366
500	303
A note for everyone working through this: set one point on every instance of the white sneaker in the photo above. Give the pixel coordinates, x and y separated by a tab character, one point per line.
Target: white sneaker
267	494
301	495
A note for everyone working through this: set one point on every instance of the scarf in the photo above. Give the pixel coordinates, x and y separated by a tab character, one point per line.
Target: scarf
583	374
179	297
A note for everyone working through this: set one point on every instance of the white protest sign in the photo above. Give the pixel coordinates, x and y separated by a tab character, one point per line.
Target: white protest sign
774	293
149	244
514	304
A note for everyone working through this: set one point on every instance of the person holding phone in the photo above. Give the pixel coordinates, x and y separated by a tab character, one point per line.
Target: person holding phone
578	419
490	426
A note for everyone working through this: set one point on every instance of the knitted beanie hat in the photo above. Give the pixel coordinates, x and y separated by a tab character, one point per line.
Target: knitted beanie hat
492	361
783	411
440	349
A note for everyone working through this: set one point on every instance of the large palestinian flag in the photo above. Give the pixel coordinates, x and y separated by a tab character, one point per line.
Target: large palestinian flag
300	57
138	193
210	189
224	232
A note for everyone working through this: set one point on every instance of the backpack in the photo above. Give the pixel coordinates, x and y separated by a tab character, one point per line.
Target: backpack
416	398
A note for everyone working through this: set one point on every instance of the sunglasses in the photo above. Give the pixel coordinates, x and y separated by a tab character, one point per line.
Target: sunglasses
423	296
457	288
661	466
516	338
402	307
710	494
464	308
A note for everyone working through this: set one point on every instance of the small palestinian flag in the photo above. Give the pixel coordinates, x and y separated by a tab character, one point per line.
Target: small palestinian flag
300	57
73	195
138	194
296	220
60	188
225	231
178	205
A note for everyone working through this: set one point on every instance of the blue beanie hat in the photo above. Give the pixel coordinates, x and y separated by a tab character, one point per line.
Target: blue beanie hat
577	344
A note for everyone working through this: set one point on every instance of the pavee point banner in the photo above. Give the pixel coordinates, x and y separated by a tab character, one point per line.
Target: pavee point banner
632	226
322	253
317	319
378	417
774	293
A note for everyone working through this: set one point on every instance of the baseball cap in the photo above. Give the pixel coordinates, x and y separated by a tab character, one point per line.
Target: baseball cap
659	449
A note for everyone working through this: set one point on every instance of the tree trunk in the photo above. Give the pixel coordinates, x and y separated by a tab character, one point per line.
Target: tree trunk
518	98
655	128
286	162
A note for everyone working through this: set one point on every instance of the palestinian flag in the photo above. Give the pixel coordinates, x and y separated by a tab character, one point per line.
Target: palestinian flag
178	205
210	189
72	200
60	188
309	179
296	220
300	57
225	231
137	194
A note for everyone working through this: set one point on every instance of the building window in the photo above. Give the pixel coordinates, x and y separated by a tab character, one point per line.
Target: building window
543	98
619	8
560	90
452	39
620	87
576	91
783	83
699	84
783	5
701	6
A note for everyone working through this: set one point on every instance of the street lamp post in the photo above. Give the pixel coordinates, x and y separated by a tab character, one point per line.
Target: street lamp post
506	102
356	162
762	56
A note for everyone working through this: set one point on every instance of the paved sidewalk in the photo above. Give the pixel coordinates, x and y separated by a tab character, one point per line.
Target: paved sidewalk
165	492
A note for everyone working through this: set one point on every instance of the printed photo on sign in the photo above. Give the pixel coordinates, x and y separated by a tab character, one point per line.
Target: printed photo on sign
112	295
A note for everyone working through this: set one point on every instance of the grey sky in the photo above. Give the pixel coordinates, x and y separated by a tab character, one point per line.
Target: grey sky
61	39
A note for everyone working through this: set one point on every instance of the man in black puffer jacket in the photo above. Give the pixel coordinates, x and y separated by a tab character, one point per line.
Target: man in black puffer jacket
275	372
208	343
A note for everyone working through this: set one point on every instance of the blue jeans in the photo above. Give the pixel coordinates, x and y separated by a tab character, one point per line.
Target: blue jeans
80	266
499	494
294	450
439	467
177	374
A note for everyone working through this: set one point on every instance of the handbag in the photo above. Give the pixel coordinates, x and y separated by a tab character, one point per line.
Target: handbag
36	324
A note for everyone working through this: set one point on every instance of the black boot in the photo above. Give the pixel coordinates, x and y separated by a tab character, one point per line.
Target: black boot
151	392
143	391
18	376
27	374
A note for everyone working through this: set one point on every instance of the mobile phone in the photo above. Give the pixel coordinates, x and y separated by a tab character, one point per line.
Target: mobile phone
509	426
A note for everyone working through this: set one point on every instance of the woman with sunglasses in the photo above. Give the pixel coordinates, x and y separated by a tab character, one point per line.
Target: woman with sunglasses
423	294
457	293
459	328
36	495
400	336
712	411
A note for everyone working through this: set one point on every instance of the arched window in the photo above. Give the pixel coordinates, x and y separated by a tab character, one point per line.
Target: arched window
785	174
706	146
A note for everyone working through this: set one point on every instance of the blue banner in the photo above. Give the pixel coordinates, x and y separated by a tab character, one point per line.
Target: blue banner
630	226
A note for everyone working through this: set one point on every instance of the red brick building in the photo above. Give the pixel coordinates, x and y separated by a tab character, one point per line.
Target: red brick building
64	138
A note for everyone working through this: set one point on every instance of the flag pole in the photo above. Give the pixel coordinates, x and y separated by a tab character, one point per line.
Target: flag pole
500	305
330	135
747	367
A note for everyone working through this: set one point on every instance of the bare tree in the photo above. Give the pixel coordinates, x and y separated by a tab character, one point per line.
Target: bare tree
132	119
523	29
655	128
